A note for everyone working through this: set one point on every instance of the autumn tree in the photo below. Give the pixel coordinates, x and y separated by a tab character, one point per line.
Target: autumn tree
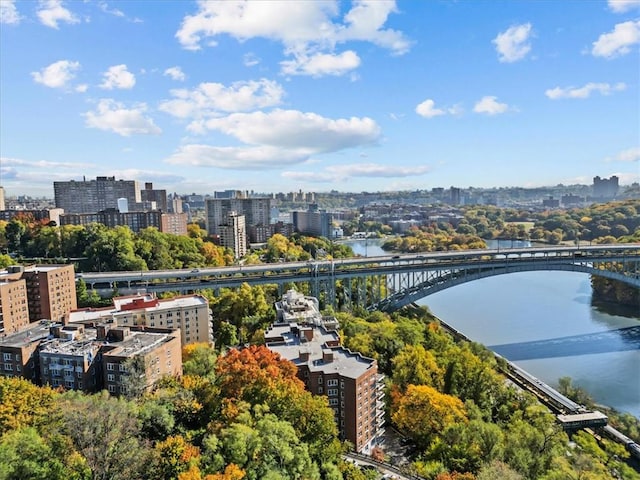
105	431
422	411
417	366
23	404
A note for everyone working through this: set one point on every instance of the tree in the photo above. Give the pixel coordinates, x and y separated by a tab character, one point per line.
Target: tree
417	366
23	404
422	411
497	469
24	454
199	359
176	456
266	447
105	431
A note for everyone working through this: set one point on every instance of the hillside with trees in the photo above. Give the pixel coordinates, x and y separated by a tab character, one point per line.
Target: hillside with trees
244	414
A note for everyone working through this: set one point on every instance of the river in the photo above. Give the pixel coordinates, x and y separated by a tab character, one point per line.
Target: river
508	312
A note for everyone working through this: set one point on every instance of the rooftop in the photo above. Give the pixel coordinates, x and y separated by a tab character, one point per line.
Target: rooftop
321	357
34	333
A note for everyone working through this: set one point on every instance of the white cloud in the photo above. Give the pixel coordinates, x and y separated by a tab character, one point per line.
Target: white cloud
629	155
210	99
490	106
619	41
250	60
82	88
236	158
292	129
113	116
513	44
341	173
281	137
175	73
56	75
583	92
51	12
9	13
621	6
7	161
118	77
427	109
111	11
309	31
321	64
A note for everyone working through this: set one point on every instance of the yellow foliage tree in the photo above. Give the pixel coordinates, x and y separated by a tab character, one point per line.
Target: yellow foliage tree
422	411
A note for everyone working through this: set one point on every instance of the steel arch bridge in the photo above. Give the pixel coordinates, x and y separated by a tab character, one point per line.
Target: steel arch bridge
385	282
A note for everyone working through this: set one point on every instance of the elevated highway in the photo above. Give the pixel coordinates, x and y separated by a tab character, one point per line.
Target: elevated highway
385	282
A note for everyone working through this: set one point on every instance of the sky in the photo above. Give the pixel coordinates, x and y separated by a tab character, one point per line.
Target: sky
281	96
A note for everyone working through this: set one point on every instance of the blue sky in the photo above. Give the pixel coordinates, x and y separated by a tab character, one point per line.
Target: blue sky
319	95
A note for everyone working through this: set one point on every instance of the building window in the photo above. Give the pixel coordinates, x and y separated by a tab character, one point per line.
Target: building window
110	366
122	368
7	357
8	366
320	380
333	401
332	392
112	388
320	390
111	377
332	383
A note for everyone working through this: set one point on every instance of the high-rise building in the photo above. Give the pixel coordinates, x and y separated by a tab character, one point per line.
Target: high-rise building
157	197
313	222
233	234
14	310
255	210
2	204
605	188
189	313
35	293
96	195
51	291
350	381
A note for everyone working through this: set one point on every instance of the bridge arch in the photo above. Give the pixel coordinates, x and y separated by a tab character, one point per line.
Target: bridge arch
444	280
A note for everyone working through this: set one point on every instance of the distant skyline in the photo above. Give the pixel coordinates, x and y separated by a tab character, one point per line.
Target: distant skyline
319	95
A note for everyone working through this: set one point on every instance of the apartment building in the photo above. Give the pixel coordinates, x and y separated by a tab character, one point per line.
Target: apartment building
14	308
89	196
51	291
157	198
154	352
233	234
47	214
92	357
256	210
19	351
189	313
174	223
313	222
350	381
70	359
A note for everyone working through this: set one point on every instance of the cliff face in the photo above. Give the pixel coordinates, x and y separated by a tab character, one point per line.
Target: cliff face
606	290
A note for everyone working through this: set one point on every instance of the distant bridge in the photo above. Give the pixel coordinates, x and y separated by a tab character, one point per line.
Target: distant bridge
384	282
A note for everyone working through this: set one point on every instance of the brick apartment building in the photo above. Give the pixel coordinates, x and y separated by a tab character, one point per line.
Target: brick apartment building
32	293
90	357
350	381
189	313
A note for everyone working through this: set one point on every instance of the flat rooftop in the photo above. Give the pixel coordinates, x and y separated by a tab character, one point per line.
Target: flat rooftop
345	363
34	333
136	343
